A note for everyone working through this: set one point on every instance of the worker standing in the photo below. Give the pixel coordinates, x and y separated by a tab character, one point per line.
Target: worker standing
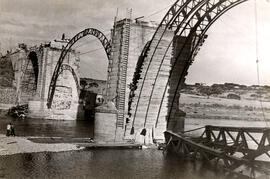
8	129
12	130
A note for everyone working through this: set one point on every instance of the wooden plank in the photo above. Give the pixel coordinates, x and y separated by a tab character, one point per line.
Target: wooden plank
215	138
217	153
224	137
231	162
251	156
252	138
244	140
238	129
193	144
233	148
231	136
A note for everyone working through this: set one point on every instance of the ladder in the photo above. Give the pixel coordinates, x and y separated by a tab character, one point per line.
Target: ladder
125	36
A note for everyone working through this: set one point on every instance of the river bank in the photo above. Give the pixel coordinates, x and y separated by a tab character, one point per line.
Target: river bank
26	129
16	145
203	107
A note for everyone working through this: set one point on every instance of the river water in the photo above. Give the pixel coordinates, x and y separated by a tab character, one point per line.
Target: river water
110	163
148	163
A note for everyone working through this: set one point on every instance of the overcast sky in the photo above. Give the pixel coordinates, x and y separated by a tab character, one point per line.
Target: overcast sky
228	54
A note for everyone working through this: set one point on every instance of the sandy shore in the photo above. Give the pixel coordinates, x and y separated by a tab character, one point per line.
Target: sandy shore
15	145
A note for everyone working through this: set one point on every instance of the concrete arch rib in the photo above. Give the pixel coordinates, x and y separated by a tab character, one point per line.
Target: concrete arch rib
200	35
89	31
176	16
204	17
202	31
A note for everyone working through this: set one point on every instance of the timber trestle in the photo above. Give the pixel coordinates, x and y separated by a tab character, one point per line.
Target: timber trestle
242	151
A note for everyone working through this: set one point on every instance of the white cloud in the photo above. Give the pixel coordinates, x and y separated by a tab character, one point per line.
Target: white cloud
228	50
229	54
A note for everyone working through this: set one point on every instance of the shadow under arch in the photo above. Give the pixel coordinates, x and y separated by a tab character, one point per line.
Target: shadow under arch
29	78
34	60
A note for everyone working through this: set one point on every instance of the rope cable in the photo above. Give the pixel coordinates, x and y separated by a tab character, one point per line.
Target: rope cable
94	50
157	12
150	15
257	59
91	51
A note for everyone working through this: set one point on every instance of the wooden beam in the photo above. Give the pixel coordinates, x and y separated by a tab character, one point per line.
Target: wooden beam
238	129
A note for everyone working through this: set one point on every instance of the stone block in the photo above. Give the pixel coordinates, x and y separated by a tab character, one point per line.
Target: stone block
105	125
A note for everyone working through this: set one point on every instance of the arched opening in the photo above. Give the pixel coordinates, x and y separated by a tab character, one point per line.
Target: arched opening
28	78
67	90
93	75
34	60
87	32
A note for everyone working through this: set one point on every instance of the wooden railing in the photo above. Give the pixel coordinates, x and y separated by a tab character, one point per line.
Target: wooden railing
235	148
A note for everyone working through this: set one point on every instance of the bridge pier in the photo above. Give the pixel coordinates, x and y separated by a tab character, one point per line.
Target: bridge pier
65	103
179	65
105	128
33	68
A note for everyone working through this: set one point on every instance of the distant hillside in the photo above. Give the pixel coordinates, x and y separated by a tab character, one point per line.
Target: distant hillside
6	73
230	91
226	101
93	85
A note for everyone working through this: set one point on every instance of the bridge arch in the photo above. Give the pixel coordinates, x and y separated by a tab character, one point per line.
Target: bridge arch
200	15
175	17
201	29
89	31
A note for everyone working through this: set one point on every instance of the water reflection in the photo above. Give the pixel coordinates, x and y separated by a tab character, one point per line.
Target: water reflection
48	128
105	164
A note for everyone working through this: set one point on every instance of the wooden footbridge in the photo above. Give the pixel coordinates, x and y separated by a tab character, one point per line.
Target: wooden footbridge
242	151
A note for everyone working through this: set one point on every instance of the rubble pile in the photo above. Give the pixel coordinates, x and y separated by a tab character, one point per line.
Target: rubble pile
18	111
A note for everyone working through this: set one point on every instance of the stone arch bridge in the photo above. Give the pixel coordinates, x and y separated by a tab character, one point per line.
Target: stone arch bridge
57	91
144	82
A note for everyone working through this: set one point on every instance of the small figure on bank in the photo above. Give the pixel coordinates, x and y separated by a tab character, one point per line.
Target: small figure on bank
12	130
8	129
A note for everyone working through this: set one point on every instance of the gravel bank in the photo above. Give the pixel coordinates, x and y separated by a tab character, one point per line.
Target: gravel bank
15	145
